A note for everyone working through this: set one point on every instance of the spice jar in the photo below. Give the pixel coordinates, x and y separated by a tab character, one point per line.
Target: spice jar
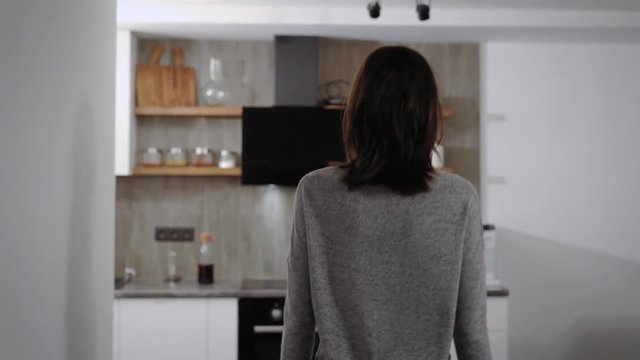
150	157
228	159
202	156
176	156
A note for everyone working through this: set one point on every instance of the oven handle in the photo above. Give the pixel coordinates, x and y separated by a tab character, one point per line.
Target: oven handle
268	329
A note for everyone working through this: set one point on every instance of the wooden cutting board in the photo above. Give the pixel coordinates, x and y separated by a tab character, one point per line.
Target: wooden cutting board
165	85
178	82
149	80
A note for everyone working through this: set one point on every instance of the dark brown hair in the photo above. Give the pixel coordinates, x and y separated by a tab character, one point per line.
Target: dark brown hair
391	122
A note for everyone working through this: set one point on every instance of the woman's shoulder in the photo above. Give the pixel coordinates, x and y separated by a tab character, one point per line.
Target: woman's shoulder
331	178
328	176
454	184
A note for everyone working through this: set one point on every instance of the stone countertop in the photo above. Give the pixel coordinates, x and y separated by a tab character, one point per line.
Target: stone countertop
191	289
225	288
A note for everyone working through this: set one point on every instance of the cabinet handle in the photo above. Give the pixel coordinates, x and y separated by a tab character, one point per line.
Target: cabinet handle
268	329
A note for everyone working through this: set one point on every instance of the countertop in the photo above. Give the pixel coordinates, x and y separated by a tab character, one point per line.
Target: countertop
225	288
191	289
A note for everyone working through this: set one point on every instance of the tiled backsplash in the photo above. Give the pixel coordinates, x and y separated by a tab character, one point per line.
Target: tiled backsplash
252	224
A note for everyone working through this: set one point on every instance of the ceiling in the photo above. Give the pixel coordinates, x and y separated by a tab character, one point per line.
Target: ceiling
452	20
615	5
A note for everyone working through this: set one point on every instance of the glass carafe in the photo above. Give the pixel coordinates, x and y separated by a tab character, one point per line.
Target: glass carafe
241	93
217	91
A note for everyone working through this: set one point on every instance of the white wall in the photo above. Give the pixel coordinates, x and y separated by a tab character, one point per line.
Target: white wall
56	179
561	180
568	148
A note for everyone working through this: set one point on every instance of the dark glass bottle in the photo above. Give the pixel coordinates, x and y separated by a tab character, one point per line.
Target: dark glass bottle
205	260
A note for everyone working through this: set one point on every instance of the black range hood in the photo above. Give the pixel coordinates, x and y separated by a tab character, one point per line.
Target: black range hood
296	63
281	144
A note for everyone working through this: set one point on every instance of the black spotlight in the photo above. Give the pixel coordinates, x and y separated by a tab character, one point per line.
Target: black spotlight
374	9
424	10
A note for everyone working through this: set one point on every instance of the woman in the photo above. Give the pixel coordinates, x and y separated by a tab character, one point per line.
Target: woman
386	258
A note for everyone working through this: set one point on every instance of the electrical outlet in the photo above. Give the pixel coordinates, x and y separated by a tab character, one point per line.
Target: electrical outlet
164	233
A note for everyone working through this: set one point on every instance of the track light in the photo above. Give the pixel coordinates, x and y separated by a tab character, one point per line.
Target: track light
374	9
424	10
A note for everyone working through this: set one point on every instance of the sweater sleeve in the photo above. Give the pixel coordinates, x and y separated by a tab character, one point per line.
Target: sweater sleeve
470	331
299	319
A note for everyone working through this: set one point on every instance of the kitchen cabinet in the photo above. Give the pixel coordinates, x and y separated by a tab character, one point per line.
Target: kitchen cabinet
207	329
497	310
159	329
222	319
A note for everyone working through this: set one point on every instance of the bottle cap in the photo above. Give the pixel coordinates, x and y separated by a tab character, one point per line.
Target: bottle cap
206	237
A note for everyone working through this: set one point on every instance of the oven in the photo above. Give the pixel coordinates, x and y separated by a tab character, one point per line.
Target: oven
260	325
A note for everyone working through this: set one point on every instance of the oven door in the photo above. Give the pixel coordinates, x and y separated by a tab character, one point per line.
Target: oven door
267	340
260	326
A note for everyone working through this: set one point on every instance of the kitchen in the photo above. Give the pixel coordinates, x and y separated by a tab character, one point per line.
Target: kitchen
250	216
567	287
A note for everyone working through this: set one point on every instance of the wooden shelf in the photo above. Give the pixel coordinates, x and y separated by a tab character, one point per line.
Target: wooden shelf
185	171
204	111
446	112
333	107
220	112
205	171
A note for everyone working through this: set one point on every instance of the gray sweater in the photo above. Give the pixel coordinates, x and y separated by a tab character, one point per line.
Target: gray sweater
385	276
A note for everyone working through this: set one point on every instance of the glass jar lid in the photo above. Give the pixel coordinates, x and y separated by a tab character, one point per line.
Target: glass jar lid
151	150
202	151
176	151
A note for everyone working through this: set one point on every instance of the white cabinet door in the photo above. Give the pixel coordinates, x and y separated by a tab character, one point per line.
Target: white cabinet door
497	317
162	329
223	329
498	341
497	311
